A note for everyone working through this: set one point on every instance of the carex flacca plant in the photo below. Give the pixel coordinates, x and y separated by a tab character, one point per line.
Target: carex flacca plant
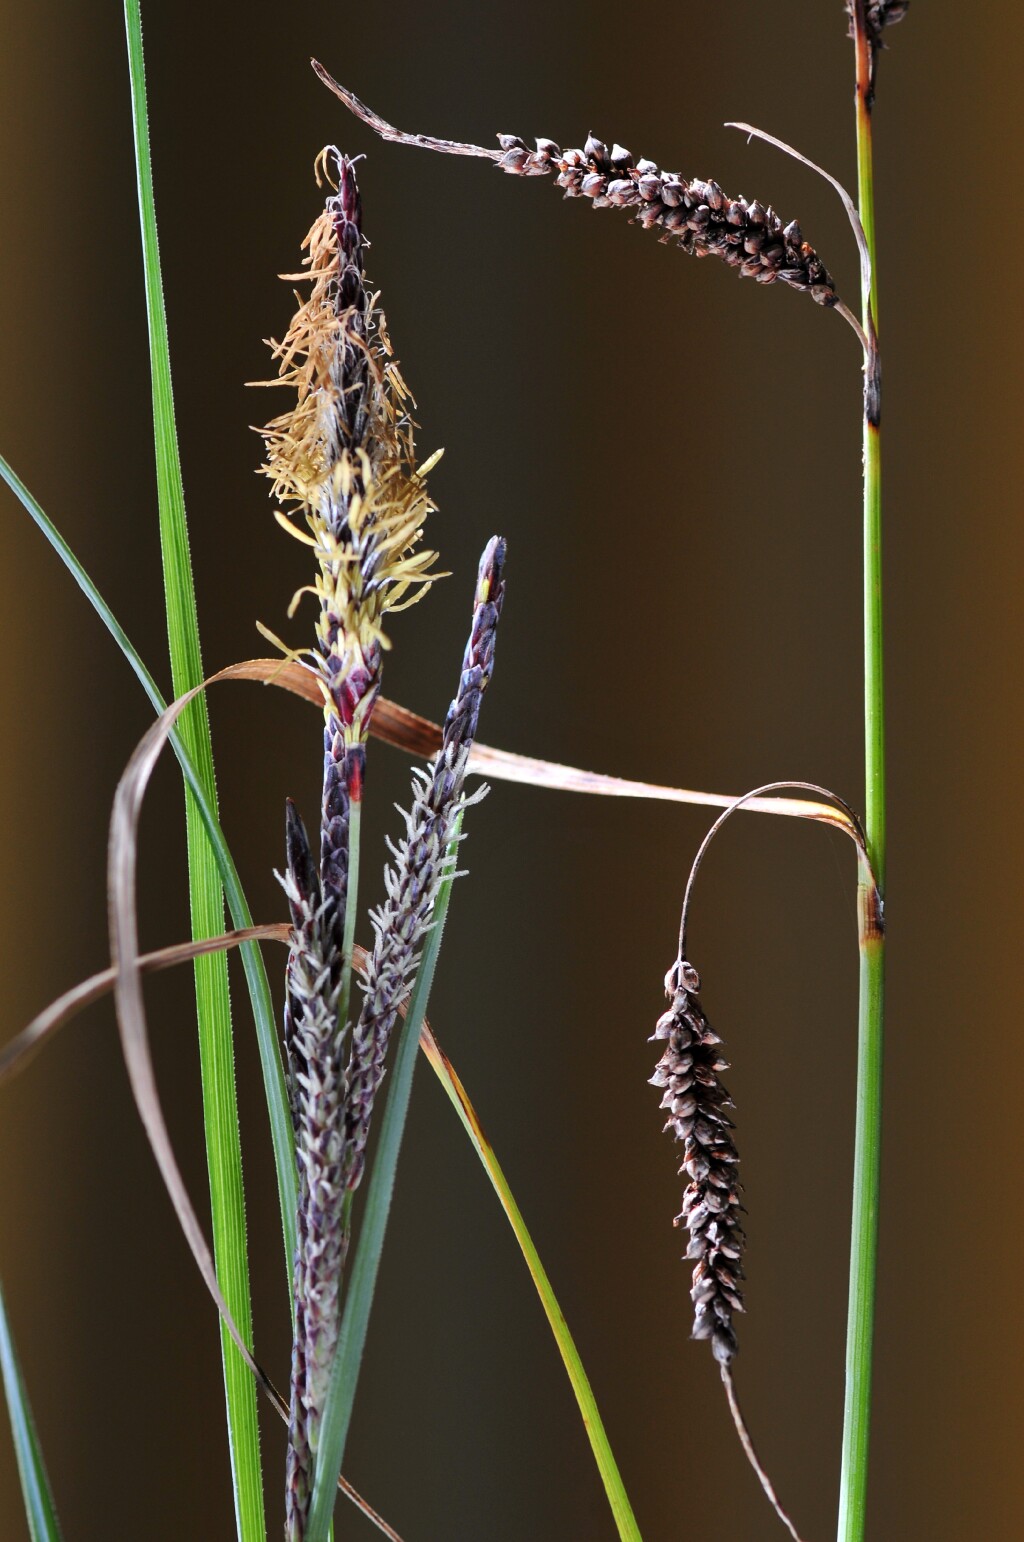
698	216
346	483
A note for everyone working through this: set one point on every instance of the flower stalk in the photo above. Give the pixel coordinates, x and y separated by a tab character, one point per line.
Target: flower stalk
869	17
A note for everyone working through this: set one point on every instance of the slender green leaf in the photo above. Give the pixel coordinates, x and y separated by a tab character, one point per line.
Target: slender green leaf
252	959
35	1486
213	1008
606	1464
348	1357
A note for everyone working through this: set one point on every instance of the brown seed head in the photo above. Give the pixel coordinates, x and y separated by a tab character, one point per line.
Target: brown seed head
695	1101
695	214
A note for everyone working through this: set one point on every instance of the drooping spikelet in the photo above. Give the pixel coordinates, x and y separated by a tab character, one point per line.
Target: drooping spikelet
695	1101
316	1053
422	860
344	459
696	214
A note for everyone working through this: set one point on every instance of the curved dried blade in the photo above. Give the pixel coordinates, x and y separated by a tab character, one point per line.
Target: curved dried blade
124	949
388	131
23	1048
852	212
408	731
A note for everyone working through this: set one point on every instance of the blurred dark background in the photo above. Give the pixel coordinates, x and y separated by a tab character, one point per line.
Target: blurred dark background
674	457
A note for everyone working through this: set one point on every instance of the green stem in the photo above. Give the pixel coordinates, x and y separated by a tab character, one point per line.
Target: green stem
867	1153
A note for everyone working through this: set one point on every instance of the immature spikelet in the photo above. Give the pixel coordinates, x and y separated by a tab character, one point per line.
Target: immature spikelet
422	861
696	214
878	14
344	458
316	1052
695	1101
884	13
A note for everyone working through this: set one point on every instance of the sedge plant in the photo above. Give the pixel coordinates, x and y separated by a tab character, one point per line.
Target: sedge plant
343	470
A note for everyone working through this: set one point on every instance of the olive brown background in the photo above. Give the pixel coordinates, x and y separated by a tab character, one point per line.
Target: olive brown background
674	458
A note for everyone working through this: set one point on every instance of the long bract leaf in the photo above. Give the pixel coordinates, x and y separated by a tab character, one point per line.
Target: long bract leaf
220	1111
18	1052
419	736
40	1509
606	1464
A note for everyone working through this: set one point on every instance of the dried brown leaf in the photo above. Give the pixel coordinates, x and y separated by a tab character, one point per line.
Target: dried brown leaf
406	730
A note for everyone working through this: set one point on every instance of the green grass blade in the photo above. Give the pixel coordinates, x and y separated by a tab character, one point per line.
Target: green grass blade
213	1007
337	1414
241	917
35	1486
618	1500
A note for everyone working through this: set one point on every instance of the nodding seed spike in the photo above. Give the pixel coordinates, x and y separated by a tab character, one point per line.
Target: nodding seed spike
651	192
693	1098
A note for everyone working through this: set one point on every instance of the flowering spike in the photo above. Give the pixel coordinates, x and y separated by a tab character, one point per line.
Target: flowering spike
344	458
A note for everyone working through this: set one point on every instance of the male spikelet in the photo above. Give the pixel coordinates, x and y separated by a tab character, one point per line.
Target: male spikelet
343	457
